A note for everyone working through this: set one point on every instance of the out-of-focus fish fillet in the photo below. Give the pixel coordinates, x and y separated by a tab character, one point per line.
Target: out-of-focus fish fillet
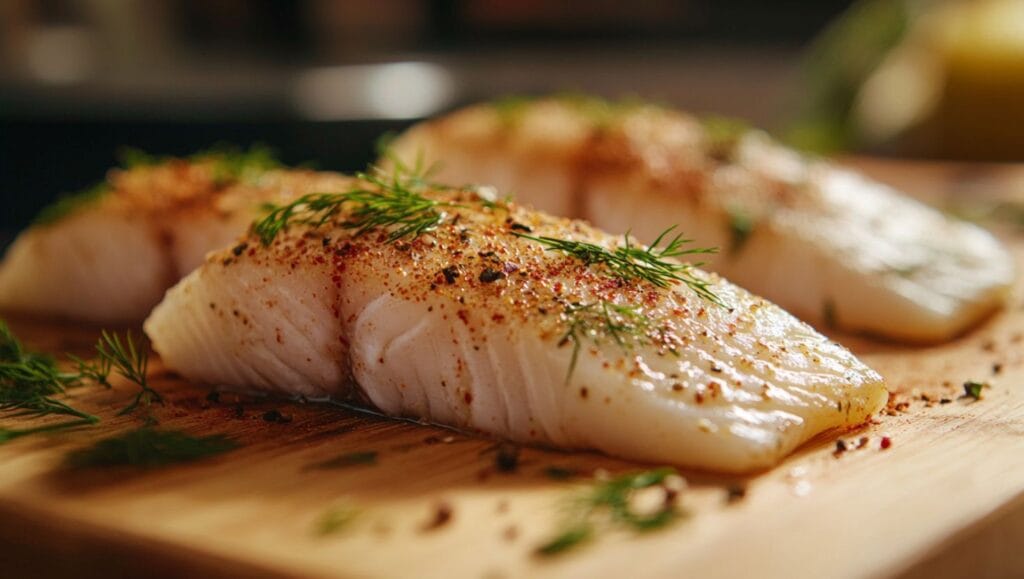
825	243
475	324
110	258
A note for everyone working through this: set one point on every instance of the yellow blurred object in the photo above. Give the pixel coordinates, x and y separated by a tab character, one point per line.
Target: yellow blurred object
950	86
981	112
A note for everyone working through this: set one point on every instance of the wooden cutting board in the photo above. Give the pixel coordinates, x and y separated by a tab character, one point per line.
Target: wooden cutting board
946	499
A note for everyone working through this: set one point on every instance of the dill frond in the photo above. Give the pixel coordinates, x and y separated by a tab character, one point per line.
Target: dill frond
130	361
229	162
628	261
232	163
624	324
29	381
65	205
335	520
614	498
390	201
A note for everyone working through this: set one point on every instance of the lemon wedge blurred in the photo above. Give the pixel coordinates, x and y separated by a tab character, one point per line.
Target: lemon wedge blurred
951	85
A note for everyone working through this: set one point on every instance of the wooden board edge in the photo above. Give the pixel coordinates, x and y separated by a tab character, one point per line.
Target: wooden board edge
83	550
990	546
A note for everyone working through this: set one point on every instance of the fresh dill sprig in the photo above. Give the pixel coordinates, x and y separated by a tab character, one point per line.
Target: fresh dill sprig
565	540
334	520
391	201
133	158
65	205
624	324
511	108
29	381
411	214
973	389
632	262
614	499
600	111
130	361
722	135
741	226
147	447
229	162
96	371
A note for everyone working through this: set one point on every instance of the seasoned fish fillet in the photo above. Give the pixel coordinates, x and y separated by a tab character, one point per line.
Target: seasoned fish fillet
109	256
445	306
825	243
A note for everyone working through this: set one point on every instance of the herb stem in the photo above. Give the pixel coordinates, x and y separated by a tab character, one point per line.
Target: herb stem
29	382
627	261
131	361
387	202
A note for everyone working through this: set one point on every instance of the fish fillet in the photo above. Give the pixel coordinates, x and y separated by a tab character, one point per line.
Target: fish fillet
111	258
478	325
827	244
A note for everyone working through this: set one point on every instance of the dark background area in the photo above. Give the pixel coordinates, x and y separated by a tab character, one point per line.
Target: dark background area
81	78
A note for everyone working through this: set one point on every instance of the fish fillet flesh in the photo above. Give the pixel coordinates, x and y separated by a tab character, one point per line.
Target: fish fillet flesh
827	244
110	258
487	316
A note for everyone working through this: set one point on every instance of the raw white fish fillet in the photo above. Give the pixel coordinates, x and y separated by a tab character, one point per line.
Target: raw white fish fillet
474	326
110	259
827	244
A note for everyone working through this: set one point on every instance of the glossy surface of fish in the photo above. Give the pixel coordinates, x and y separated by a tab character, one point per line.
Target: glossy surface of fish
482	323
825	243
109	257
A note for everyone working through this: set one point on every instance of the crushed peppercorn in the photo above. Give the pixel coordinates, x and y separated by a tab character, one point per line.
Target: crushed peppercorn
507	457
450	273
735	493
442	516
489	275
276	416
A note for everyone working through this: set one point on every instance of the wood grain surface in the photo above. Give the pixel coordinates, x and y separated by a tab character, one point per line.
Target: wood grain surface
946	499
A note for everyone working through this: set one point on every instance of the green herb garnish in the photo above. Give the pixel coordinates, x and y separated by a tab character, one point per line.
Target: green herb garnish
828	314
624	324
348	459
835	67
973	389
65	205
741	225
134	158
335	520
599	111
230	162
147	447
722	135
131	362
613	499
633	262
560	472
566	540
391	202
29	381
511	108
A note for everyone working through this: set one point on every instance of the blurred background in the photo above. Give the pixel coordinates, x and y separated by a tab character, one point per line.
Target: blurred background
321	79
